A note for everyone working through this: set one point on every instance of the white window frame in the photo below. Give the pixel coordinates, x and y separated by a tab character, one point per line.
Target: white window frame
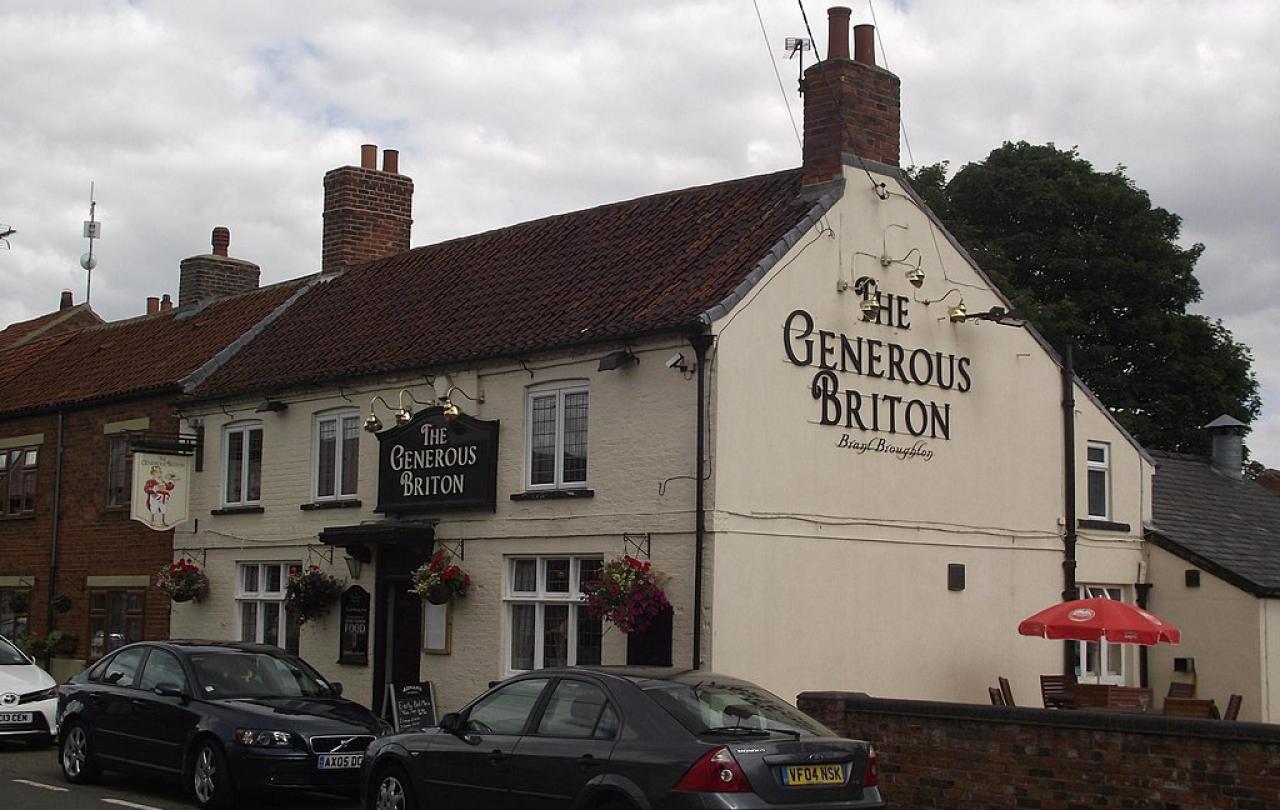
560	389
227	432
1104	467
338	417
1104	650
542	597
260	596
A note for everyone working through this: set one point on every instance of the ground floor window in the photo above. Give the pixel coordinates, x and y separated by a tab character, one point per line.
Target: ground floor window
546	624
260	602
1100	661
115	619
15	604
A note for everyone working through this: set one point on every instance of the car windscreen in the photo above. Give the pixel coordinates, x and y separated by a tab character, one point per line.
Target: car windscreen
710	707
10	654
235	674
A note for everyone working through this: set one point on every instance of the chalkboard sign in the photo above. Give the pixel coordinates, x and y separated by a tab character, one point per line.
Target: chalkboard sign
353	646
413	705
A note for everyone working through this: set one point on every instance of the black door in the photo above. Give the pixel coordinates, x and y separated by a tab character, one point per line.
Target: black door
569	747
472	770
114	732
163	722
405	633
397	647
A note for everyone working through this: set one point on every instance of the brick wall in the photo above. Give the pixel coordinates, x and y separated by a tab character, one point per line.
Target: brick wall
849	107
368	214
202	276
935	755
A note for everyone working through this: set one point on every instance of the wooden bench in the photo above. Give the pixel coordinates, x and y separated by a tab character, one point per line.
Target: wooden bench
1107	697
1190	707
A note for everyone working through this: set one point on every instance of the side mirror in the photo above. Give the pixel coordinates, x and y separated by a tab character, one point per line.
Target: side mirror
452	723
171	690
336	688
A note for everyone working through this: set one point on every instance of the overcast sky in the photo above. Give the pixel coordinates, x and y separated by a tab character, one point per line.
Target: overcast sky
189	115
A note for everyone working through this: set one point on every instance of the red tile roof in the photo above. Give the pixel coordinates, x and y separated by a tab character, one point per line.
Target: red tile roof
56	322
136	356
646	265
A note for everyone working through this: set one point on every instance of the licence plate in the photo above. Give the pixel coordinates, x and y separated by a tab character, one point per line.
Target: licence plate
331	762
796	775
12	718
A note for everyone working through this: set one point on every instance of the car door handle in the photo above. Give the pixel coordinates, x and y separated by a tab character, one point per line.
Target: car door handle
496	756
588	762
138	703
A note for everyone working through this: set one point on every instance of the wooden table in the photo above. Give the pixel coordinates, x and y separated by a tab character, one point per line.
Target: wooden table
1112	698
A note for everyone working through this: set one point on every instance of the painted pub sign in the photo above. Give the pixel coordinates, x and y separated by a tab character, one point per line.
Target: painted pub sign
161	490
437	462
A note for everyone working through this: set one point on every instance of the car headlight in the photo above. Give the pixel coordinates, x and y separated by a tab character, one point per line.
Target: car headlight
43	694
263	738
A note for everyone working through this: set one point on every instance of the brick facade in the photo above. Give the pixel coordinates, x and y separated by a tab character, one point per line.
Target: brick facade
966	755
368	214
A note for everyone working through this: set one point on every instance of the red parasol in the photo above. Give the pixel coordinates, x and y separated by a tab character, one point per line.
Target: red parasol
1096	619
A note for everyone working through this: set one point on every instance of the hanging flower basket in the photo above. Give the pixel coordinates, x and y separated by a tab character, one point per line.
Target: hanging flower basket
628	594
440	580
183	581
310	593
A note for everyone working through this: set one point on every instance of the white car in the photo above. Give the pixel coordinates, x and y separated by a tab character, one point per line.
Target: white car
28	705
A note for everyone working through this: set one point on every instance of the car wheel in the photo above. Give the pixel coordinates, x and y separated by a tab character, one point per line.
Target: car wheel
211	778
390	790
75	757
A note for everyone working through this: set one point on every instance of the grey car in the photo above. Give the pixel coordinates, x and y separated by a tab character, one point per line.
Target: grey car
622	739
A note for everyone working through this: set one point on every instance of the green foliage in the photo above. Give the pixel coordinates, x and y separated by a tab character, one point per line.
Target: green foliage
45	647
1089	260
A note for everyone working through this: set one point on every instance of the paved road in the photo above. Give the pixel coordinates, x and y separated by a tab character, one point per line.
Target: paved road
30	778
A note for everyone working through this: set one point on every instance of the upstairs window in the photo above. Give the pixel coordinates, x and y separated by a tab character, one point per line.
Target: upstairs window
556	427
242	461
18	481
337	455
1098	460
119	471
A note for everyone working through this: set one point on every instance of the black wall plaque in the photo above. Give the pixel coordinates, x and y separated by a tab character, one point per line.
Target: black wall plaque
413	705
433	462
353	647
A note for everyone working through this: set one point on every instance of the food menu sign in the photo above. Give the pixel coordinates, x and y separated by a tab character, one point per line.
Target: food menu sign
413	705
437	462
354	642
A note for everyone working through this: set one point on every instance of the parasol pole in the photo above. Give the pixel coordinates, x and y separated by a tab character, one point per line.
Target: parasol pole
1069	590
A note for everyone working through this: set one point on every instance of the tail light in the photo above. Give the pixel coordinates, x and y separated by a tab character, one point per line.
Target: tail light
716	772
871	774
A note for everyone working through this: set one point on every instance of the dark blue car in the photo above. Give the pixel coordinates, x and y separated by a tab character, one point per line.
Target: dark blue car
222	717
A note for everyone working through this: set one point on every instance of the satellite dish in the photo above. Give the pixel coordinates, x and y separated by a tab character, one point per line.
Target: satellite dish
88	261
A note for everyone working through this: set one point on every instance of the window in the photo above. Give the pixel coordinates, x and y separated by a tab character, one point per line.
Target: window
1103	662
260	596
115	619
14	608
119	471
1098	456
242	461
506	711
18	481
123	669
163	667
547	626
556	425
337	446
575	710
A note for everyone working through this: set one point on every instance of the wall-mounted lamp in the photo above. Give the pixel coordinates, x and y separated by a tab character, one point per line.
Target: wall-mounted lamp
958	313
916	277
451	410
619	359
371	422
356	557
271	406
404	414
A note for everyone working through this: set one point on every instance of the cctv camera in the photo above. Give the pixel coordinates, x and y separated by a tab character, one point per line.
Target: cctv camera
676	361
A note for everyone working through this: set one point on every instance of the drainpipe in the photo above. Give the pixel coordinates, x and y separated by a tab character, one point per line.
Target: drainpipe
1143	590
701	341
1069	590
53	544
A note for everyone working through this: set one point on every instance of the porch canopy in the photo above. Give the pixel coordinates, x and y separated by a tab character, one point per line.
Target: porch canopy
359	540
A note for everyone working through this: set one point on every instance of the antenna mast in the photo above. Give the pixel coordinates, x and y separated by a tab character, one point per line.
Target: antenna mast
92	231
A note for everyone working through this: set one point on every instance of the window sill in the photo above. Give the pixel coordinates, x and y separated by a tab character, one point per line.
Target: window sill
1103	525
552	494
238	510
345	503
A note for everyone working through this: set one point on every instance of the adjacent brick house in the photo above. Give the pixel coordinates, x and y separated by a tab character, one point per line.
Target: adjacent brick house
75	396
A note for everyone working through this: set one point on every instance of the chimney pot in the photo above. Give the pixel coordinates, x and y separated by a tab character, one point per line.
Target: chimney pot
166	303
221	241
864	44
838	32
153	304
65	301
1228	446
369	156
391	161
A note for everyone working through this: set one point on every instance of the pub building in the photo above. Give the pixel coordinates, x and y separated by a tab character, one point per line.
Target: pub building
794	394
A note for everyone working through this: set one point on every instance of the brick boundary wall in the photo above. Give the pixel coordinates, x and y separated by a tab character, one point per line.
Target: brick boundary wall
942	755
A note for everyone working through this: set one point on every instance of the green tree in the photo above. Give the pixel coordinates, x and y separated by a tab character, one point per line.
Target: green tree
1085	256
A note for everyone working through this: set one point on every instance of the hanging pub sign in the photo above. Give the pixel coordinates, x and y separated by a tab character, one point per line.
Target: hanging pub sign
438	462
353	644
161	490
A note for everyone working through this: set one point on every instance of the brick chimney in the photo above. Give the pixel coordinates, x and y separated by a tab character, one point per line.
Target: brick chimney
153	304
367	213
1228	445
850	105
65	301
215	273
